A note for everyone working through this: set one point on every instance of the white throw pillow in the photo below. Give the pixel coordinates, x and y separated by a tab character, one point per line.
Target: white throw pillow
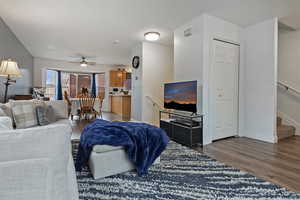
5	124
60	108
24	114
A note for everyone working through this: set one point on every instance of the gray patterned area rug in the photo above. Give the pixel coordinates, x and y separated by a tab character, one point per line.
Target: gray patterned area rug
182	174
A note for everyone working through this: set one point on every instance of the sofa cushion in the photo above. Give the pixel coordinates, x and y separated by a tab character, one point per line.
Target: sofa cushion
6	108
51	142
5	123
41	116
2	113
50	114
37	102
60	108
24	114
105	148
45	115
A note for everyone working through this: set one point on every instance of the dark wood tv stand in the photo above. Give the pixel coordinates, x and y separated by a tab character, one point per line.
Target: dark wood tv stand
186	130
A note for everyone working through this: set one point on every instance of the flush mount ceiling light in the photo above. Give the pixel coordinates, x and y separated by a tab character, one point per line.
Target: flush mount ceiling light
116	42
152	36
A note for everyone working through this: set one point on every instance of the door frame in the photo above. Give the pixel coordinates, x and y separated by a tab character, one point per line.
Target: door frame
211	85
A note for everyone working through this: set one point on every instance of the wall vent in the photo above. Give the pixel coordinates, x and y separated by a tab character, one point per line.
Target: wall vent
188	32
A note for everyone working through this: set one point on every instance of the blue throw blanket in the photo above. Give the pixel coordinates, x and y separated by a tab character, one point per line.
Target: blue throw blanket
143	142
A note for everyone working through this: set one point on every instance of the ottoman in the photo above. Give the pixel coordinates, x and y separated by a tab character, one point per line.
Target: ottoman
108	160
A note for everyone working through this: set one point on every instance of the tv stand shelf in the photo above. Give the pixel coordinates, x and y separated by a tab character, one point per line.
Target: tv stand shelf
186	130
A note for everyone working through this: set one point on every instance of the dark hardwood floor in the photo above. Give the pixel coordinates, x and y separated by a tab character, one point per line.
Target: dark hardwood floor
276	163
77	126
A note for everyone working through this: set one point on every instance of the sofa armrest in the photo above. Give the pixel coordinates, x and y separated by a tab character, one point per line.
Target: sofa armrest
37	142
26	179
43	152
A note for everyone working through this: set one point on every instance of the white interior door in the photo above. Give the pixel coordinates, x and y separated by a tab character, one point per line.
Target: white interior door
225	72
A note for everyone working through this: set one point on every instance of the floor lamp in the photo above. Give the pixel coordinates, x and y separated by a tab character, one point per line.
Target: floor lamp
9	69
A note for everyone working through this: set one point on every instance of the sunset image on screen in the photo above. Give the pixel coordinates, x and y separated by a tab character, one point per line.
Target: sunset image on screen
181	96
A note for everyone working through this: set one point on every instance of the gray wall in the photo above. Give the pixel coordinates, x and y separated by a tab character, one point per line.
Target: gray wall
11	47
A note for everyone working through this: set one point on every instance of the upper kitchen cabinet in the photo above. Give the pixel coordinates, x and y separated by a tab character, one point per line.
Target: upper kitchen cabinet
117	78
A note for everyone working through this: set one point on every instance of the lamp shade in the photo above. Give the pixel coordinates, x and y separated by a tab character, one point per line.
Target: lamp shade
10	68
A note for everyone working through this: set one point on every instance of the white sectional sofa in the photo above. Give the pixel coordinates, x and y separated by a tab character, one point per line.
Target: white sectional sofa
36	163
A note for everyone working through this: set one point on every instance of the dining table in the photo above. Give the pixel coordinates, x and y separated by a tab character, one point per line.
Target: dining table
75	105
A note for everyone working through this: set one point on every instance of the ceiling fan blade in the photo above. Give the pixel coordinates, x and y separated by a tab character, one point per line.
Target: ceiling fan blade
74	62
91	63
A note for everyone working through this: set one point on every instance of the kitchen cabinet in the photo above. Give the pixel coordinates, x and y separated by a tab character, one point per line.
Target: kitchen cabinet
117	78
121	105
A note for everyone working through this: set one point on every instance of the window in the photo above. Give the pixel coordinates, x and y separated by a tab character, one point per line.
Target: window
73	83
65	82
51	84
84	81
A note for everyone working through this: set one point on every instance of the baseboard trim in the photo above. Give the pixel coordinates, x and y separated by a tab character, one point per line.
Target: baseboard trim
261	137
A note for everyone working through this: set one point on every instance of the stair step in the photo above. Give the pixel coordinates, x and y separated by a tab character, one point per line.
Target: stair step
279	121
285	131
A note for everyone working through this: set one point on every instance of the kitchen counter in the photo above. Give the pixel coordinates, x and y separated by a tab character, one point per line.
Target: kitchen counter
121	105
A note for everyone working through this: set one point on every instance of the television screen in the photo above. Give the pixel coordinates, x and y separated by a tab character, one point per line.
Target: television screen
181	96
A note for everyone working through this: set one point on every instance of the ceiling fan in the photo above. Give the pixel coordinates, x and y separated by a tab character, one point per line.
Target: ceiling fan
84	63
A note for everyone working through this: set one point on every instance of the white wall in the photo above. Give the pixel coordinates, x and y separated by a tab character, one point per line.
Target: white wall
288	73
188	55
259	87
257	73
11	47
157	70
192	58
136	92
188	52
41	65
214	28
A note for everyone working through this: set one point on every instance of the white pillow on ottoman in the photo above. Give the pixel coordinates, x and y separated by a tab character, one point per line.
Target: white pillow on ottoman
24	114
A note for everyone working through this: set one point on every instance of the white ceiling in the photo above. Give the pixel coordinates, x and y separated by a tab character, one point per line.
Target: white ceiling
60	29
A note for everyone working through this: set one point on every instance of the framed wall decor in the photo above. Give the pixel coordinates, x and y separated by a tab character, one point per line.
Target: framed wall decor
136	62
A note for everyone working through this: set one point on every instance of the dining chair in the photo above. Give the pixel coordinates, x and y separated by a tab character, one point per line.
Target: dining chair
67	99
81	95
100	98
87	107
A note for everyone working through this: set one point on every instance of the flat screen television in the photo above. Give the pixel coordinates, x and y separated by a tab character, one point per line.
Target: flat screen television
181	96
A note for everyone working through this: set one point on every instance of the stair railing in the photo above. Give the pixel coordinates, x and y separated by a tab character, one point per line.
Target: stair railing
154	103
288	88
155	118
